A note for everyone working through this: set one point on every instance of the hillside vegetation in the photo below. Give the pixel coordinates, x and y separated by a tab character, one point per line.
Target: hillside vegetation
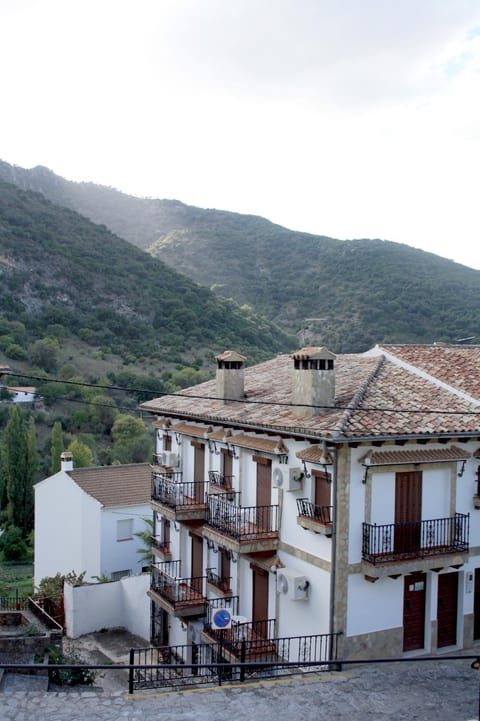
359	291
58	270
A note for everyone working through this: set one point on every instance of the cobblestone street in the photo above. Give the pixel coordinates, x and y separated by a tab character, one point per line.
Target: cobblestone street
433	691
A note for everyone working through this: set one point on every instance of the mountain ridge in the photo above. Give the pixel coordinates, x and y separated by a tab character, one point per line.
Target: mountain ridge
360	291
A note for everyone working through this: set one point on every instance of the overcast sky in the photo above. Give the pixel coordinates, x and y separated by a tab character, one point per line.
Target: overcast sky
347	118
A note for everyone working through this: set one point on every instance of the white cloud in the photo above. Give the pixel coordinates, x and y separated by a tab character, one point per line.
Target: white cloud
331	116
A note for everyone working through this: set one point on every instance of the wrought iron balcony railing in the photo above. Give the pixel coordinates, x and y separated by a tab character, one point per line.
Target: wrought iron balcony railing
399	541
241	522
177	591
170	490
161	545
222	583
219	479
322	514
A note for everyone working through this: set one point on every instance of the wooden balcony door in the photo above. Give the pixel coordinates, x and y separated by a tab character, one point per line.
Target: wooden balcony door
227	467
408	511
414	595
197	562
447	607
264	492
260	600
199	471
322	493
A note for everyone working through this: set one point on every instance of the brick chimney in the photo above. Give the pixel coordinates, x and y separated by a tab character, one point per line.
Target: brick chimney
230	376
66	461
313	385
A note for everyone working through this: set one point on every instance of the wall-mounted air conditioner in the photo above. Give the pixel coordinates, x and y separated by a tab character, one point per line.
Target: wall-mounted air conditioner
171	459
296	587
287	478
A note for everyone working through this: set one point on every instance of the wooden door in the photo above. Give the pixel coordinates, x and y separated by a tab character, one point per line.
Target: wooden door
476	606
264	493
260	600
447	607
322	490
199	472
408	512
159	625
414	595
197	563
227	468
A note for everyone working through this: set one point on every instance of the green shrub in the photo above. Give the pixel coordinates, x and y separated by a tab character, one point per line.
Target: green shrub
68	676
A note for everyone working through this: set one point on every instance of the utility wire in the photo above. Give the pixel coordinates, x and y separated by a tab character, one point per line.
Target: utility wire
156	393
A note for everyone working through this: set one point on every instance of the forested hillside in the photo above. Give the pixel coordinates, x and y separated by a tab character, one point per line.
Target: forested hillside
59	269
359	291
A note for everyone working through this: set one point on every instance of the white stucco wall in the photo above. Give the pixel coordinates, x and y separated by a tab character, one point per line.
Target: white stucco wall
119	604
373	606
120	555
66	529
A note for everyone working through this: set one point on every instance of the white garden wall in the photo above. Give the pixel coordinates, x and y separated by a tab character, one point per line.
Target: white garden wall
118	604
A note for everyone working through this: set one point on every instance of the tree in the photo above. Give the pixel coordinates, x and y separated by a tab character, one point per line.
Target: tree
44	353
82	455
146	536
33	462
126	427
56	447
15	469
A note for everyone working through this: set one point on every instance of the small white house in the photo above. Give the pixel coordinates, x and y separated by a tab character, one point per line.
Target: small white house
86	520
22	394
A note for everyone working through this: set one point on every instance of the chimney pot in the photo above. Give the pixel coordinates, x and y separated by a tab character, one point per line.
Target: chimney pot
66	461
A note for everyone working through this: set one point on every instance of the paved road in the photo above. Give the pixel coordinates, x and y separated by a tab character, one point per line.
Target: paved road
437	691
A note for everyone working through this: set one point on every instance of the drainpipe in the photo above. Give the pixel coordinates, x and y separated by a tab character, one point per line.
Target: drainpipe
334	549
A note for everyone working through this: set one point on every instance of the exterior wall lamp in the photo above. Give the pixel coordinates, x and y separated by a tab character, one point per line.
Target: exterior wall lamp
306	474
366	464
462	469
231	449
212	447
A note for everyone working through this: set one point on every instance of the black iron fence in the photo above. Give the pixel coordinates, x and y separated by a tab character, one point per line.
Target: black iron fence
416	539
16	602
213	663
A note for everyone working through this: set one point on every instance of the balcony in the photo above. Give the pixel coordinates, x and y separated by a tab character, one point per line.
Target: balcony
259	635
176	499
219	583
424	545
181	597
219	480
243	529
314	518
161	548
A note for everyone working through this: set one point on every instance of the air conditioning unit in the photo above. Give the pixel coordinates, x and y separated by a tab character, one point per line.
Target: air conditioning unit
288	478
171	459
161	458
296	587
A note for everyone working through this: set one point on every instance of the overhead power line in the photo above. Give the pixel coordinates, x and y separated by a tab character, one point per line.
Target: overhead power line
191	396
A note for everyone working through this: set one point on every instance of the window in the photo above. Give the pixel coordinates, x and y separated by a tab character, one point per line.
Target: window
125	529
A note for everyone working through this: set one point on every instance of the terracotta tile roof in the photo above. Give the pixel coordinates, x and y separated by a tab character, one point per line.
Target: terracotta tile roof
190	430
268	445
124	485
315	454
455	365
427	455
374	397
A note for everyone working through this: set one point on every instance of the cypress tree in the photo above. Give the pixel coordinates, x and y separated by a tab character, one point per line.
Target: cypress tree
32	471
15	466
56	447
